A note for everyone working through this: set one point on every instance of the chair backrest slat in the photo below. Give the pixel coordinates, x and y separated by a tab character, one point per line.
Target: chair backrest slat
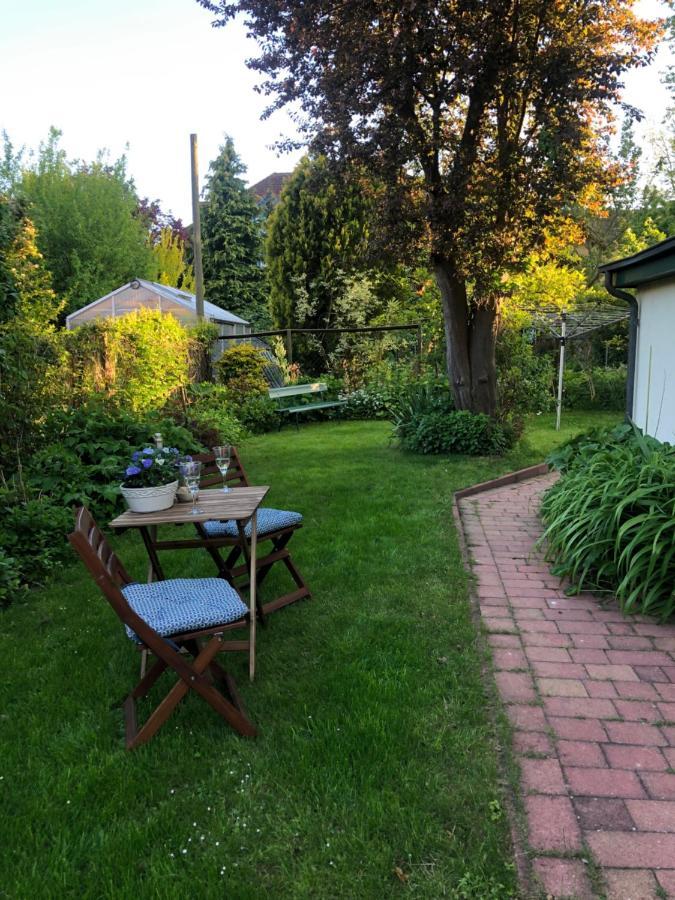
110	575
96	552
211	477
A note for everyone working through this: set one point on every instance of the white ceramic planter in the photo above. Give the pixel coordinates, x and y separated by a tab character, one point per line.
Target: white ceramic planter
150	499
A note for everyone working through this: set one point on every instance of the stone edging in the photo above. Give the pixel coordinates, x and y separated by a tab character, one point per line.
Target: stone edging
511	478
521	856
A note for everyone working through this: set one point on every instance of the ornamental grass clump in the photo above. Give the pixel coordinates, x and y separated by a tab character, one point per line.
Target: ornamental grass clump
610	519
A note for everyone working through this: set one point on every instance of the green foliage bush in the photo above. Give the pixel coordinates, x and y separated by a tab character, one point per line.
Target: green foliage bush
210	415
524	379
414	399
87	450
33	535
595	389
458	431
136	361
610	519
368	403
241	368
397	398
257	414
32	378
10	579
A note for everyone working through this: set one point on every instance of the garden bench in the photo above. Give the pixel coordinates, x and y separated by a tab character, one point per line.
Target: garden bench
317	389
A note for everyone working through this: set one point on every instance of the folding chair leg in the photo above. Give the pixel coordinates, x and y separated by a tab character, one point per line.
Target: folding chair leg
230	686
302	592
148	679
198	683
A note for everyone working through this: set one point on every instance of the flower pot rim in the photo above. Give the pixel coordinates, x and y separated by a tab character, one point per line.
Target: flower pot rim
152	487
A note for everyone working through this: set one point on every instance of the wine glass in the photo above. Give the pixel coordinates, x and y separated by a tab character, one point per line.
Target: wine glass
222	456
191	472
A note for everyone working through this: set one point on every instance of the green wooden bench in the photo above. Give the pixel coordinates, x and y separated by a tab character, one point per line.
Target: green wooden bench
318	389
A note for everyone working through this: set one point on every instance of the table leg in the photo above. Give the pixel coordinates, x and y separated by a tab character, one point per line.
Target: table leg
149	540
149	535
252	591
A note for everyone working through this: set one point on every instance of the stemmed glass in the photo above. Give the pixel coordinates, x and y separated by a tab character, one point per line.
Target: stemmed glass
191	472
223	456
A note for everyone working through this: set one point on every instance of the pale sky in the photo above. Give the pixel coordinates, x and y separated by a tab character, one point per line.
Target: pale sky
147	73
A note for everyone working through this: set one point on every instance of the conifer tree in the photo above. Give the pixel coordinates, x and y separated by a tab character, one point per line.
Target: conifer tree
37	302
232	240
171	265
314	236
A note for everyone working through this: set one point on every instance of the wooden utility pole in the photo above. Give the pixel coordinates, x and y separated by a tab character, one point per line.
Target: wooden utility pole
196	229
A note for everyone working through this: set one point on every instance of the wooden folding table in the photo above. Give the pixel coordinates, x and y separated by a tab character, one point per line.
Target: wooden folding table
239	504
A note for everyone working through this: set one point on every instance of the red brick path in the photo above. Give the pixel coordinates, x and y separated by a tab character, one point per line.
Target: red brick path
591	696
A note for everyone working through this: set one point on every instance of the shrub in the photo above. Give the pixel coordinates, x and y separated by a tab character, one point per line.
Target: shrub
458	431
32	375
136	361
242	368
595	389
610	519
258	414
87	450
210	415
417	398
201	341
368	403
524	379
10	579
33	534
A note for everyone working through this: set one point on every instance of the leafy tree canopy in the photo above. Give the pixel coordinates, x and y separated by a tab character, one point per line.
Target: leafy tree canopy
87	230
156	221
483	119
232	240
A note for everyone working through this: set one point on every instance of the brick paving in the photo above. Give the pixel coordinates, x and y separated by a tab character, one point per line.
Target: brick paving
591	696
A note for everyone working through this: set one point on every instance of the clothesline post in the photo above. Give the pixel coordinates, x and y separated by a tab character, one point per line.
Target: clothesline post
561	368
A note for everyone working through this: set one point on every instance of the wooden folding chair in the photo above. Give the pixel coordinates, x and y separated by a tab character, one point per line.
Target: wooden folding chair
275	525
166	617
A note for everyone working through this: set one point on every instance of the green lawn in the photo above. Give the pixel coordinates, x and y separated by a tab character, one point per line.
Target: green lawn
376	752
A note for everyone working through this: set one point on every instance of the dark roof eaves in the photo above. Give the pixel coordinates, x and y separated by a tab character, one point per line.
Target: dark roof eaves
660	249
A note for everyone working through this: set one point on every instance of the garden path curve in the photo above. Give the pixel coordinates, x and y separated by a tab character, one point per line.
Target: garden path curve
591	697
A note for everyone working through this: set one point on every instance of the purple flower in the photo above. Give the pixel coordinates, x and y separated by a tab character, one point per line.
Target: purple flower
135	456
133	470
148	451
146	463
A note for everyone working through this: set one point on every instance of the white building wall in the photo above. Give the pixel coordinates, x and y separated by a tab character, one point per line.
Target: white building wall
654	391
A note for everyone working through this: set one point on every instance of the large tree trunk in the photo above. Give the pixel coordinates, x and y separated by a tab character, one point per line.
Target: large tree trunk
456	323
470	337
482	342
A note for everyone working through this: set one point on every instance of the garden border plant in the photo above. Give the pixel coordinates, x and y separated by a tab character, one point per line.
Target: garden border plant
610	519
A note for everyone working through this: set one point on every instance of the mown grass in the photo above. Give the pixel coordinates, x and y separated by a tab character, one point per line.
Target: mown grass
375	773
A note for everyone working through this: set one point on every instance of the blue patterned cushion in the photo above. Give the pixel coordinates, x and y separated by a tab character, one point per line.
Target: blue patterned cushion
268	520
183	604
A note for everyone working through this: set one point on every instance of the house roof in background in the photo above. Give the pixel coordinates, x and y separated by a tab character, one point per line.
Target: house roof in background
183	298
270	186
652	264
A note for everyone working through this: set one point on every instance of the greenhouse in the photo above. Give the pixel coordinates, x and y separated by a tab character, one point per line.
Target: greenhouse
141	294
